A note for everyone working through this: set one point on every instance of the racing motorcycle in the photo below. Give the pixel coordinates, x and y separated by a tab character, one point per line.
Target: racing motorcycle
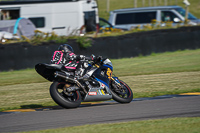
96	83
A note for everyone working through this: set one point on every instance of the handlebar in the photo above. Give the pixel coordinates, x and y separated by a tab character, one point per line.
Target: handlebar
94	59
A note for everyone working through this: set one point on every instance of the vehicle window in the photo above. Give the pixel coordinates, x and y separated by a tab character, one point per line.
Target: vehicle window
135	18
104	24
182	12
39	22
168	16
9	14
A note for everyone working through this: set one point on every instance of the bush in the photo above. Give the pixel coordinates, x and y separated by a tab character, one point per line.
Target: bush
84	42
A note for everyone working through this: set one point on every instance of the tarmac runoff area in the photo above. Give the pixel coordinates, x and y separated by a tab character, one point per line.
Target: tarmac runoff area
102	103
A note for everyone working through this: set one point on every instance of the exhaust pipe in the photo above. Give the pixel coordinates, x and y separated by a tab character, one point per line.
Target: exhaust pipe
67	78
63	75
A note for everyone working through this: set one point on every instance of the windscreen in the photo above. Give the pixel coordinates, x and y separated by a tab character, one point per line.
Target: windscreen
107	62
182	12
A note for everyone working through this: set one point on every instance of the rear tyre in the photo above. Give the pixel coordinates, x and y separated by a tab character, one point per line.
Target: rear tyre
123	94
62	98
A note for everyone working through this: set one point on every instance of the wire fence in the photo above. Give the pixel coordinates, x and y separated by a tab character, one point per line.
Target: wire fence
156	2
146	3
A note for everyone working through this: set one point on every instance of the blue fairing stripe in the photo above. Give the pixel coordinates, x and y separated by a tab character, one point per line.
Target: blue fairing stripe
109	67
102	82
16	25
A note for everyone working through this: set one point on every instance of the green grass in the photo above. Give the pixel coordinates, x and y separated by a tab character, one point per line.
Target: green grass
170	125
169	62
118	4
157	74
163	84
20	77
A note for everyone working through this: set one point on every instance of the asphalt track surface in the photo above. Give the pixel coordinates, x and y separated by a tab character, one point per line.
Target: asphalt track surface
109	112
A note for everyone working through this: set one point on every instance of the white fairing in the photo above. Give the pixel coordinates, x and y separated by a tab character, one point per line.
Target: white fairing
108	62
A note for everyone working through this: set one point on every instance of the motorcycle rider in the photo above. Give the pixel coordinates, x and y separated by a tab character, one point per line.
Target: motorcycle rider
65	55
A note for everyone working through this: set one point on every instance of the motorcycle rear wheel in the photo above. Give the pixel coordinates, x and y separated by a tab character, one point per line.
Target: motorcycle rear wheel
123	95
61	98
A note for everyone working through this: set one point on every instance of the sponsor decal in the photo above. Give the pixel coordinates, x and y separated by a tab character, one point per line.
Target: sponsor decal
109	73
102	73
102	92
92	93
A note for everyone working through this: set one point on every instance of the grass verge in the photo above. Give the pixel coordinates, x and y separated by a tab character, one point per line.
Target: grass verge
158	74
170	125
163	84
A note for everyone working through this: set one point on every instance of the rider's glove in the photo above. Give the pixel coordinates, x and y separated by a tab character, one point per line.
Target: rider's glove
97	59
82	57
79	57
93	57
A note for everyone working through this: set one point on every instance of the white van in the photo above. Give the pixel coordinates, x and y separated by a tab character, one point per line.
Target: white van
64	17
131	17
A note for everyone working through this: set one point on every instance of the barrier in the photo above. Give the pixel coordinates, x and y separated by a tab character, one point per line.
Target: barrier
23	55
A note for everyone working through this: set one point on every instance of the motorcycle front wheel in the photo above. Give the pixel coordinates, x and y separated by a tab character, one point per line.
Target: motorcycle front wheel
62	98
121	94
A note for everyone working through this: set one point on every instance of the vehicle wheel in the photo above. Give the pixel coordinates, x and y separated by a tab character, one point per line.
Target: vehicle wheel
123	94
62	98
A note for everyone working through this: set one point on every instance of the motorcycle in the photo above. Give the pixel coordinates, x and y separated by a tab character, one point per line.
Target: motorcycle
96	83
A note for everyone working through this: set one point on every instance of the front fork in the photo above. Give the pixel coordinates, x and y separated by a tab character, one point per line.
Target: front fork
119	89
116	81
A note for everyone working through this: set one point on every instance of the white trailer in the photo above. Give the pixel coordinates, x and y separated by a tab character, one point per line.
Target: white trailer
64	17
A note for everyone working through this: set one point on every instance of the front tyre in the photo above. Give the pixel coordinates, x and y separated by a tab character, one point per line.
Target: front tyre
121	94
62	98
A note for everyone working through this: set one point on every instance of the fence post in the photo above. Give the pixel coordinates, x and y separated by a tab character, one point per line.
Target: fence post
149	2
135	3
143	3
155	2
165	2
108	5
186	13
160	3
187	3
